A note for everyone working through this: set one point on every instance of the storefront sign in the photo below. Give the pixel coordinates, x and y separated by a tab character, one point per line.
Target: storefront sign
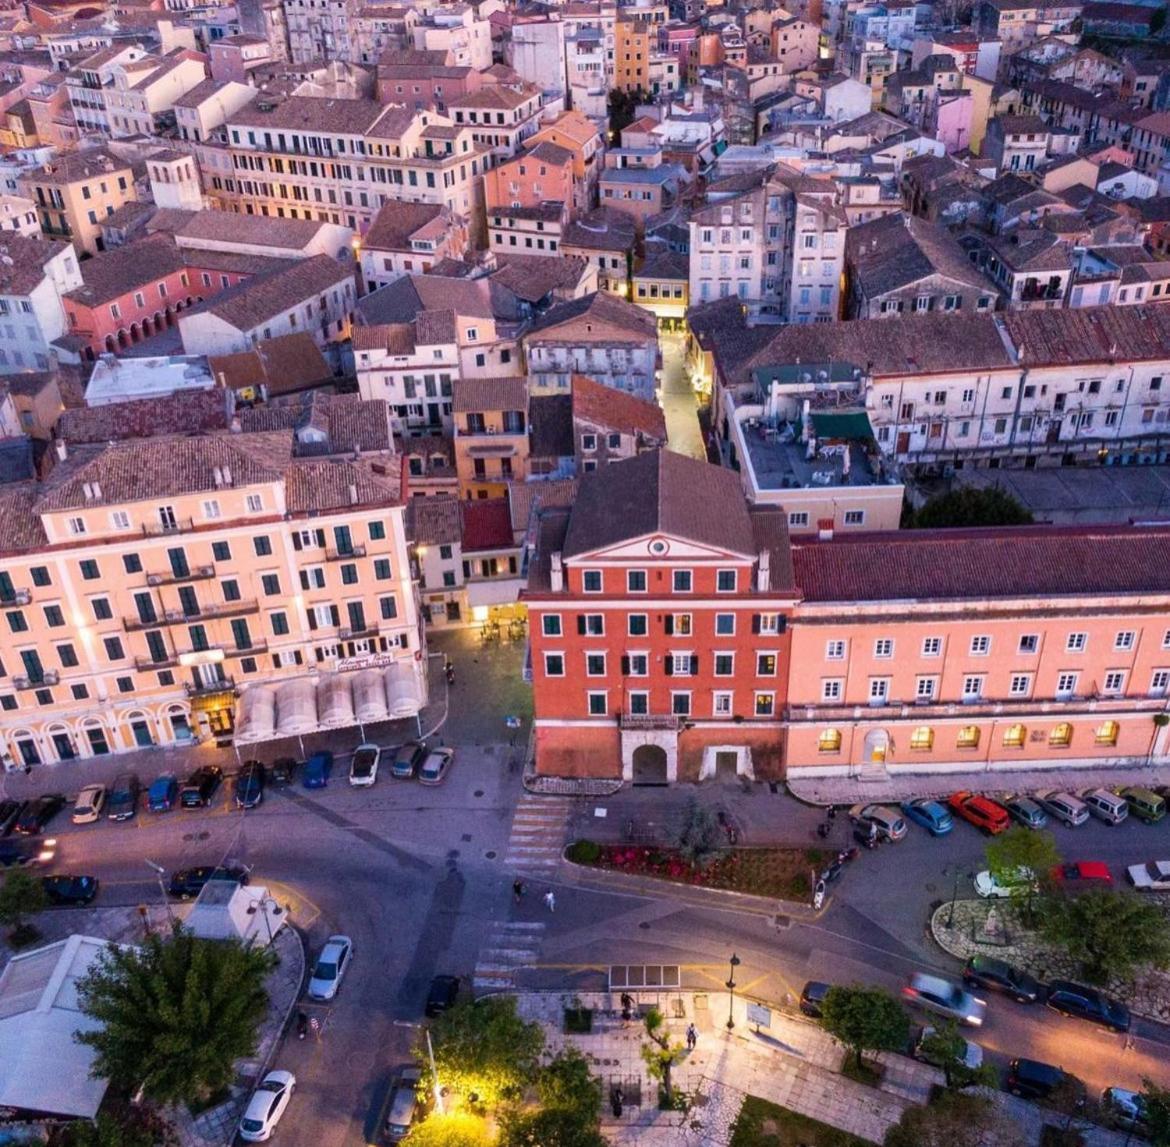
369	661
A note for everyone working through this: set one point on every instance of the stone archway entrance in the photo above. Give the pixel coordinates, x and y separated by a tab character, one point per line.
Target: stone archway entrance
650	765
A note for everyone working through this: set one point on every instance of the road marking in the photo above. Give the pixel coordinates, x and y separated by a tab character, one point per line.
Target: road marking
511	945
538	833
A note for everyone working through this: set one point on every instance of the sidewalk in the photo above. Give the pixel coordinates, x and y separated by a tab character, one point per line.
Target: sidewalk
902	786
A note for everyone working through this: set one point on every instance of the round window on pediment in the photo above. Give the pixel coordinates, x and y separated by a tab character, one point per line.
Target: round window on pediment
659	547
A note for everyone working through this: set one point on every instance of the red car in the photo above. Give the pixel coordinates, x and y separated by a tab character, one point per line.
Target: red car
1090	873
981	811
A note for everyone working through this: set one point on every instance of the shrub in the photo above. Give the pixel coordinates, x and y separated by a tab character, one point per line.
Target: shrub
584	852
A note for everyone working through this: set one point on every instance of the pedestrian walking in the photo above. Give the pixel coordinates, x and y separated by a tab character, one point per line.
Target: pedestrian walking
616	1099
627	1006
832	813
27	768
692	1037
551	900
517	890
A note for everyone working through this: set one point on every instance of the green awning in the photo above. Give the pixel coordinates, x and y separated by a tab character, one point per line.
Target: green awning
852	425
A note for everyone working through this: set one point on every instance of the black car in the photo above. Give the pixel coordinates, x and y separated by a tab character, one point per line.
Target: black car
1087	1004
282	770
9	812
15	851
443	993
187	883
200	786
37	813
1032	1079
250	785
70	891
1000	976
122	803
812	996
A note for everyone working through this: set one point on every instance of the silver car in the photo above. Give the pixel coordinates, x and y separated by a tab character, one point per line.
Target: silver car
936	994
887	821
330	967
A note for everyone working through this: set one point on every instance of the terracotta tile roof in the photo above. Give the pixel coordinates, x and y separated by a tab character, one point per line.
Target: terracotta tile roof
396	222
393	338
550	419
596	318
603	229
283	365
532	277
184	412
334	484
22	261
312	113
479	394
487	525
898	250
434	521
403	300
325	423
660	492
770	532
503	97
111	274
1090	334
75	165
616	410
547	152
20	524
528	498
1031	562
251	230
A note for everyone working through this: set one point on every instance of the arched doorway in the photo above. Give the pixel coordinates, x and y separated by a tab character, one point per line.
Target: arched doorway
63	743
650	765
875	747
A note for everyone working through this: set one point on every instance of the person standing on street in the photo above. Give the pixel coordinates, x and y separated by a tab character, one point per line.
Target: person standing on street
551	900
692	1037
517	890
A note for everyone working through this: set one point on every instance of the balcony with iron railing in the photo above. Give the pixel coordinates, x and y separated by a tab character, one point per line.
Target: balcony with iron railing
179	656
171	576
357	634
46	679
206	689
181	617
165	529
344	555
649	721
16	597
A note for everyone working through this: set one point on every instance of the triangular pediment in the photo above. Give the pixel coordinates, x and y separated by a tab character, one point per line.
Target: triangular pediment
658	547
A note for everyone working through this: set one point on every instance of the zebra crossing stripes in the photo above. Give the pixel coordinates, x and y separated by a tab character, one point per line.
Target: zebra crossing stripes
538	833
513	945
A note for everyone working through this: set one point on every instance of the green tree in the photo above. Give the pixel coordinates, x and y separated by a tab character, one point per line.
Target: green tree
1018	848
118	1125
1110	934
484	1048
175	1013
661	1054
865	1019
969	506
699	837
954	1119
460	1129
1157	1120
567	1083
21	895
946	1048
553	1127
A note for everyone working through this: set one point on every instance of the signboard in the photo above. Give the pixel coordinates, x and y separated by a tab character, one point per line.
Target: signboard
368	661
759	1015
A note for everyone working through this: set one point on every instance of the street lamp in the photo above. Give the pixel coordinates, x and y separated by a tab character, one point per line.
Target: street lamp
955	870
160	872
431	1054
734	963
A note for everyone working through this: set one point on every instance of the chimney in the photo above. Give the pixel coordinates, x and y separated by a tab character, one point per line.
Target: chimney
764	572
557	573
62	450
227	475
217	477
353	497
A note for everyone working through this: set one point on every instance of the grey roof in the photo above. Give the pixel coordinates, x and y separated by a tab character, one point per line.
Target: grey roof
898	250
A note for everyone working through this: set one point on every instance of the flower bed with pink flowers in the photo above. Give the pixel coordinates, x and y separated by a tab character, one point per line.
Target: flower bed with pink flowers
780	873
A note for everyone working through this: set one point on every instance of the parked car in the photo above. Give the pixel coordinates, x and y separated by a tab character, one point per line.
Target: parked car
972	1056
1145	805
1153	876
1000	976
162	794
402	1104
812	996
1083	873
250	785
16	852
330	968
70	891
1087	1004
317	770
407	759
1065	807
187	883
1022	881
122	803
267	1105
930	815
885	821
282	771
1125	1109
363	766
9	814
200	786
980	811
946	998
1025	811
1106	806
442	995
1031	1079
88	806
433	771
37	813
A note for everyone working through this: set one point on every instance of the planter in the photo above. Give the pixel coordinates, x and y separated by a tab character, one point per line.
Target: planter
578	1021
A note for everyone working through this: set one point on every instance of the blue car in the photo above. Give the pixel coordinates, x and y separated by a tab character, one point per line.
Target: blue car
317	770
163	794
931	815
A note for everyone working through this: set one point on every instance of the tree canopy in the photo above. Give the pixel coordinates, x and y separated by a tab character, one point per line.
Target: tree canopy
21	895
1157	1113
1018	848
954	1119
865	1019
459	1129
175	1013
117	1125
945	1047
969	506
698	835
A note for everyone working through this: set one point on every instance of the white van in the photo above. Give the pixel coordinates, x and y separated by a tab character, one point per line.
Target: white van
1065	807
1107	806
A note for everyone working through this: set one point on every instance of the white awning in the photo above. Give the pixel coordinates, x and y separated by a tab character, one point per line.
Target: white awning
369	696
335	702
256	717
403	696
296	707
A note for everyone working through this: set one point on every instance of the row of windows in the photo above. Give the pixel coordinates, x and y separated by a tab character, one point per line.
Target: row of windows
684	664
681	581
1112	683
1016	736
722	704
980	645
673	624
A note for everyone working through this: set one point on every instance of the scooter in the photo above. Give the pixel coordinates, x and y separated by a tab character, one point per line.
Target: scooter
450	671
302	1025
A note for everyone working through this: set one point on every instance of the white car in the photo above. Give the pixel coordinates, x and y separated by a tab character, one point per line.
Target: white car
330	967
972	1056
267	1106
1022	880
1153	876
363	767
90	802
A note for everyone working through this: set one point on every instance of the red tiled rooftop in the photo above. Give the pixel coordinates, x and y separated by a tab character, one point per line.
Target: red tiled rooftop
487	525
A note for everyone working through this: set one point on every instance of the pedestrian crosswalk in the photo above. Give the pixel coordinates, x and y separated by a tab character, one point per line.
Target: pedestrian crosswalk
513	944
538	834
